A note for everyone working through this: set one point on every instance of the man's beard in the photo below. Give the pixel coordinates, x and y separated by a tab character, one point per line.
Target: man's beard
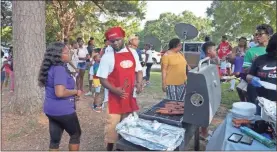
118	49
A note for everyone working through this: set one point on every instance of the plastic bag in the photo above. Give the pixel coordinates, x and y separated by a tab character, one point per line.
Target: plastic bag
268	112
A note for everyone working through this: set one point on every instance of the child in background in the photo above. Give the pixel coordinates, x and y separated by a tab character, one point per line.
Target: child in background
97	105
210	51
3	73
143	73
8	66
223	66
90	84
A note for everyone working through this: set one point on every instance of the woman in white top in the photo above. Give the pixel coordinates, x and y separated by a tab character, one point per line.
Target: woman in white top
72	66
83	56
148	61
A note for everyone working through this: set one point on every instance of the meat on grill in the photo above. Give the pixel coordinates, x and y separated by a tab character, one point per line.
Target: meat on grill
172	108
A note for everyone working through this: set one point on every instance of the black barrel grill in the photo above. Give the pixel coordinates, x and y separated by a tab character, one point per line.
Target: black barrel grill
203	97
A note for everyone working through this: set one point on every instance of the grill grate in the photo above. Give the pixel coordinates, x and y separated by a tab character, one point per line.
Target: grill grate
151	114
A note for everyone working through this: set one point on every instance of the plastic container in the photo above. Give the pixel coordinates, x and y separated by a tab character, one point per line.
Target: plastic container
246	109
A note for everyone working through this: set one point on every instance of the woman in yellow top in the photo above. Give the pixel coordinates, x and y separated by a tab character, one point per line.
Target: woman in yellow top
174	75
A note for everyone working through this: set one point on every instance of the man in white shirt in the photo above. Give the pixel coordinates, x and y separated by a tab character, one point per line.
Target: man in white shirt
148	61
118	71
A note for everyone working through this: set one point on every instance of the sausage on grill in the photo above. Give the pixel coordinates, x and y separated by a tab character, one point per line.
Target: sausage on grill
181	104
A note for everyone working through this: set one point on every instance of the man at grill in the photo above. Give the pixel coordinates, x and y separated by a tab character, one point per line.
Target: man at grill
120	72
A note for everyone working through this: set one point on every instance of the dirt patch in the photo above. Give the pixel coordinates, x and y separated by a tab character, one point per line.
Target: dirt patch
31	132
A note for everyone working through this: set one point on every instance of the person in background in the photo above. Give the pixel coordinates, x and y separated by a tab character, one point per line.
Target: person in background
90	47
83	56
174	74
224	49
106	49
133	42
3	73
59	102
143	73
97	105
121	73
263	33
90	79
254	42
89	62
9	59
106	46
202	54
264	69
238	52
72	65
148	61
210	51
8	66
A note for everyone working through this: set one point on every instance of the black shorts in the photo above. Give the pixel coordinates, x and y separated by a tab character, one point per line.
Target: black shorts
69	123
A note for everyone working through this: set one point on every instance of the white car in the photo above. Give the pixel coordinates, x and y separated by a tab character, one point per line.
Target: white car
156	56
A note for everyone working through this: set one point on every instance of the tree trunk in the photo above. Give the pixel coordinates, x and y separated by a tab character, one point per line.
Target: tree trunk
29	46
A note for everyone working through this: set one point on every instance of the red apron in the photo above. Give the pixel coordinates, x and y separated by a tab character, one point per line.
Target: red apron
123	76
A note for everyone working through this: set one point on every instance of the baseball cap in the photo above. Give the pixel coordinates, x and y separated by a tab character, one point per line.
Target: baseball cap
133	36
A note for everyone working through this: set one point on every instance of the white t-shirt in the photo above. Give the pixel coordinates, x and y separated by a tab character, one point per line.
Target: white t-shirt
150	56
108	49
107	63
74	61
82	53
144	71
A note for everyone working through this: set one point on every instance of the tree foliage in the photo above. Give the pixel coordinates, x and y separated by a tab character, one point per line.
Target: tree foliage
70	19
6	21
6	13
163	28
239	18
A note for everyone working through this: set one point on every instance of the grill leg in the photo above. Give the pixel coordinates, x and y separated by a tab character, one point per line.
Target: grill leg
196	139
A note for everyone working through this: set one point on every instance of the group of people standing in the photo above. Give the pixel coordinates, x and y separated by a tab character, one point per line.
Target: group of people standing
116	67
252	65
119	69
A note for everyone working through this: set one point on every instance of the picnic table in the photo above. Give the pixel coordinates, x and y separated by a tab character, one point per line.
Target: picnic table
219	140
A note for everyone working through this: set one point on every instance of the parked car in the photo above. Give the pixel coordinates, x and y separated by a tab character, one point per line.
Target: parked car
156	56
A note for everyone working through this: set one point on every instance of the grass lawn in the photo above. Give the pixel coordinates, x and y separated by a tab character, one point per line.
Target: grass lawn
228	98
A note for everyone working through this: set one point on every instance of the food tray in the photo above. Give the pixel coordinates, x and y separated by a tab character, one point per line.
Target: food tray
150	114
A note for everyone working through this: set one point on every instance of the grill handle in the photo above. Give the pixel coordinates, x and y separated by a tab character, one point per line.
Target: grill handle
202	61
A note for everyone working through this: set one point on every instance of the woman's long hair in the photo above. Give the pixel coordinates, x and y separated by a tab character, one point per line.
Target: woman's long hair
52	56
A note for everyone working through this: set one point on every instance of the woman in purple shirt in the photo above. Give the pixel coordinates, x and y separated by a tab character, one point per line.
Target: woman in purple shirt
59	103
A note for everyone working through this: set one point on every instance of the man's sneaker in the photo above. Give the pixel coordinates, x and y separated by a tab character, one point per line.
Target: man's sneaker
88	94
